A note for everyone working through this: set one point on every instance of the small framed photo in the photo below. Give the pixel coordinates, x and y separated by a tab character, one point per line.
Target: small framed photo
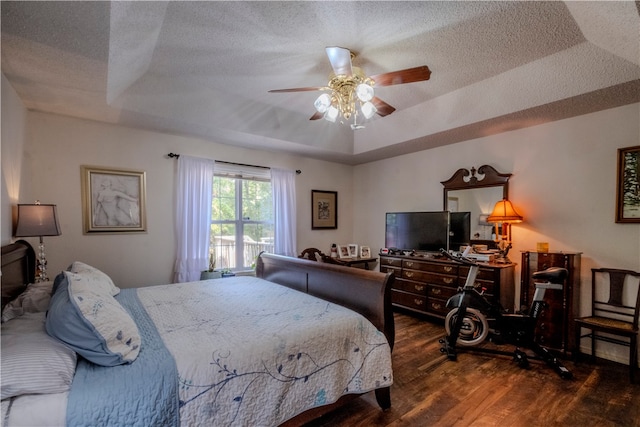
353	250
628	188
343	251
113	200
324	209
365	252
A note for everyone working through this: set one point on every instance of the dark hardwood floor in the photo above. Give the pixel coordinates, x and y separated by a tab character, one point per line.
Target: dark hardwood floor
483	390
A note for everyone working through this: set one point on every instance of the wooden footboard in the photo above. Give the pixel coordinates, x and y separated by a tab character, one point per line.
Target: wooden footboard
365	292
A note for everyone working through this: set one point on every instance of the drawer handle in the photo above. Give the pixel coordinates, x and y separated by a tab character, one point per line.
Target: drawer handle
408	274
436	291
418	288
436	306
418	302
409	264
447	280
448	268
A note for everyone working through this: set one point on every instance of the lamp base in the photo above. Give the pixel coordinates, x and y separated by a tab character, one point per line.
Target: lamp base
41	270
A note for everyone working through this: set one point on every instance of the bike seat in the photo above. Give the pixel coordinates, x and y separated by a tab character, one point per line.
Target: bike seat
551	274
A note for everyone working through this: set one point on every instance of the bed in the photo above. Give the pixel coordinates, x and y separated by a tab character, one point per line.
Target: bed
281	348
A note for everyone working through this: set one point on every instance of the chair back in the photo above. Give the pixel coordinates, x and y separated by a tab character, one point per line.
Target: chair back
313	254
616	294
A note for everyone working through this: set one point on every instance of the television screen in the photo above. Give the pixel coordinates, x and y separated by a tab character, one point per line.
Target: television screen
420	231
459	229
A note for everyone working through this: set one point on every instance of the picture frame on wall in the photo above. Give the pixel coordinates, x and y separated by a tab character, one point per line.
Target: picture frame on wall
113	200
365	252
324	209
628	185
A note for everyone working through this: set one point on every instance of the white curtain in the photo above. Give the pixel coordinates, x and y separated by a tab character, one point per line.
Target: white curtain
283	186
193	217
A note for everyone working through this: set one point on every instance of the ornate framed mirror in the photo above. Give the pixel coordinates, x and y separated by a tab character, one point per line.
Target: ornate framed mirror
476	191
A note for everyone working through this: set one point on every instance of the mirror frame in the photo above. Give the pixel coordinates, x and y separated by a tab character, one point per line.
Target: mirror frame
489	178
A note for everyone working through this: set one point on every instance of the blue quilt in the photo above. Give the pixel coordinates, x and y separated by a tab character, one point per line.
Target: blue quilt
145	391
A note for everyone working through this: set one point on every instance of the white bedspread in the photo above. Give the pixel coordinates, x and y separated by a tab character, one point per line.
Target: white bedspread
253	353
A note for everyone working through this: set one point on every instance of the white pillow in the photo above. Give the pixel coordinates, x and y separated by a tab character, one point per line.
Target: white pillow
32	362
34	299
92	322
96	276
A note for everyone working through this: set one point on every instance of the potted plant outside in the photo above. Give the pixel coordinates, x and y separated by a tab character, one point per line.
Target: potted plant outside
211	273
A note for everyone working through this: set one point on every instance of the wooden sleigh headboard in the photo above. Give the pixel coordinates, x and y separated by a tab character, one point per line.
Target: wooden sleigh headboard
18	269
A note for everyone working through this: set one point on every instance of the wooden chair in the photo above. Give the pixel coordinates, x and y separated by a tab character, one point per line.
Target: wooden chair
615	302
313	254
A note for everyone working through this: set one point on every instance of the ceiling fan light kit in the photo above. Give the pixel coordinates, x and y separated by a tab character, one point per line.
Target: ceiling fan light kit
350	92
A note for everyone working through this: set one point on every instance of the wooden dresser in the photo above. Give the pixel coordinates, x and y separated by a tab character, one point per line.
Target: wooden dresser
555	326
424	284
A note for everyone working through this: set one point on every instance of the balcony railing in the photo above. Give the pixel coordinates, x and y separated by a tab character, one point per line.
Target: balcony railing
225	253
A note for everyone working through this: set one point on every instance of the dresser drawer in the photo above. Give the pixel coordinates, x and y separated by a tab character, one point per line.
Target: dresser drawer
437	306
430	278
489	287
410	286
434	267
483	273
414	301
441	292
395	262
390	269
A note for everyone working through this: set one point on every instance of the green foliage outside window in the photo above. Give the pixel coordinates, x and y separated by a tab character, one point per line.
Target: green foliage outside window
254	227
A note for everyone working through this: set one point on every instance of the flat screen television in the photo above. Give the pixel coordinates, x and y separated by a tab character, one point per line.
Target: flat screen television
459	230
420	231
427	231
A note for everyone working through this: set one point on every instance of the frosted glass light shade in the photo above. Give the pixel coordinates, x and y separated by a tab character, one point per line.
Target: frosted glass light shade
368	110
364	92
323	103
331	114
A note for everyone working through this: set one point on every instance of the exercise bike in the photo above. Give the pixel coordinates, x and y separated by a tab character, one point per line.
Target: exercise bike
474	318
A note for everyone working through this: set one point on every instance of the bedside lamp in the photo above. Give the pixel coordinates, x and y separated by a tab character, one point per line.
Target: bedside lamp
505	214
38	220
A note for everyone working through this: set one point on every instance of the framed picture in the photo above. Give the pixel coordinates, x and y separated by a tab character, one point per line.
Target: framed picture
113	200
343	251
353	250
628	188
324	209
365	252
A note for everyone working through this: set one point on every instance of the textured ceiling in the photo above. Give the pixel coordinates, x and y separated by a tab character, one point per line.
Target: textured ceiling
204	68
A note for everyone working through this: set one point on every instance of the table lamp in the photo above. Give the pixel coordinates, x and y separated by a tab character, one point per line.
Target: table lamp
505	214
38	220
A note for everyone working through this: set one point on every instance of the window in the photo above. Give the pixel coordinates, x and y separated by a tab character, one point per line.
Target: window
241	217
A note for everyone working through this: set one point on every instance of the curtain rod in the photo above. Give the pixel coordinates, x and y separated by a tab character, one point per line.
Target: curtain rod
174	155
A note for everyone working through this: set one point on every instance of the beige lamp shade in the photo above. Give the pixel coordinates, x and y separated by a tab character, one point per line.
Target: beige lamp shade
504	212
37	220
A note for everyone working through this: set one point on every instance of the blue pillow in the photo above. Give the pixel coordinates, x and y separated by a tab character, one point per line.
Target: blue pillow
92	322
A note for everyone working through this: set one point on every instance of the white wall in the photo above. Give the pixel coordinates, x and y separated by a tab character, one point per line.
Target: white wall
564	177
563	183
57	146
13	138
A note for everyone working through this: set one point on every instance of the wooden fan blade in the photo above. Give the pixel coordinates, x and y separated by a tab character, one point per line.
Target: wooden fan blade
384	109
340	59
296	89
409	75
316	116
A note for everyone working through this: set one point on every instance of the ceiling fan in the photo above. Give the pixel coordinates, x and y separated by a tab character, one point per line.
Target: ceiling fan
350	92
